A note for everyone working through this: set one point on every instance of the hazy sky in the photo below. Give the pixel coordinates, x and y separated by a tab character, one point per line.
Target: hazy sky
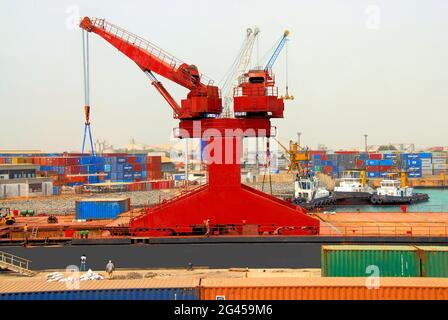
355	67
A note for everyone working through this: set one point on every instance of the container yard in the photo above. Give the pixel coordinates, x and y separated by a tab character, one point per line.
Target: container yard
313	167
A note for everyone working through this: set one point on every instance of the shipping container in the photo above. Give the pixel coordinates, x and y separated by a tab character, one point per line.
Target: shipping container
425	155
389	156
438	160
439	155
387	162
375	156
372	162
362	260
434	261
337	288
101	208
145	289
416	174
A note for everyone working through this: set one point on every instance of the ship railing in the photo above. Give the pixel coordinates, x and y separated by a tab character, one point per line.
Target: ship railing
262	91
324	231
386	231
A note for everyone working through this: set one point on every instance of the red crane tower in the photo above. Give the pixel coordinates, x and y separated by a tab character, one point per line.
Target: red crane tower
224	205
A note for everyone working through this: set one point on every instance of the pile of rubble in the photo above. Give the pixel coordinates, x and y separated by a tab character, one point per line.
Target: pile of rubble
59	277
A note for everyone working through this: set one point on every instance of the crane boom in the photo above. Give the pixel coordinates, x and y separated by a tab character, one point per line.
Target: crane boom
277	51
203	98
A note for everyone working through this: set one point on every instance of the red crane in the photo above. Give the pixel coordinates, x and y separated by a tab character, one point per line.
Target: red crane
224	205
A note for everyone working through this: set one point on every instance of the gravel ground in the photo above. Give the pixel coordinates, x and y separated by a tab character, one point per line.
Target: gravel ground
277	187
66	203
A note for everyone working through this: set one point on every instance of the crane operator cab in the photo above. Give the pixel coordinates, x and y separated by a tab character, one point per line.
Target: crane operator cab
257	96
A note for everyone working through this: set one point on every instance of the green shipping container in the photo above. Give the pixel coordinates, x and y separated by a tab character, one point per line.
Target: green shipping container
362	260
434	261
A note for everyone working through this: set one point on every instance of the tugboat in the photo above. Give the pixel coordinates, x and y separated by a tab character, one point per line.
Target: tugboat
353	188
308	193
394	191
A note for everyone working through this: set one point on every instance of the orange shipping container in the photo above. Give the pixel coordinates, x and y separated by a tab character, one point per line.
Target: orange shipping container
324	289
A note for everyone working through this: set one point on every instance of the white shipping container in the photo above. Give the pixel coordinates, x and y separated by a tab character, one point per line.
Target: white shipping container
11	190
439	154
426	173
426	161
438	160
47	188
23	189
439	166
427	165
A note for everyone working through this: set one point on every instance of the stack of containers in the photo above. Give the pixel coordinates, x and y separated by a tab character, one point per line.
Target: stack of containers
427	165
386	166
373	168
133	168
153	168
412	164
346	160
439	162
332	165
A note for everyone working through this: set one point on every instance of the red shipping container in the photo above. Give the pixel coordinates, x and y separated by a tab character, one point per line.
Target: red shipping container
329	169
137	167
360	163
385	168
375	156
132	159
372	168
2	160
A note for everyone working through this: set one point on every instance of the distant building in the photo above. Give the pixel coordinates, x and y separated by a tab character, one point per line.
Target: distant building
20	180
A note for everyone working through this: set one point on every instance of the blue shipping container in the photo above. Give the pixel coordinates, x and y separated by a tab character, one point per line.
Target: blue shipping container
414	162
363	156
425	155
137	174
372	162
108	294
416	174
93	179
386	162
128	167
121	159
410	156
373	174
56	190
85	160
389	156
101	208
